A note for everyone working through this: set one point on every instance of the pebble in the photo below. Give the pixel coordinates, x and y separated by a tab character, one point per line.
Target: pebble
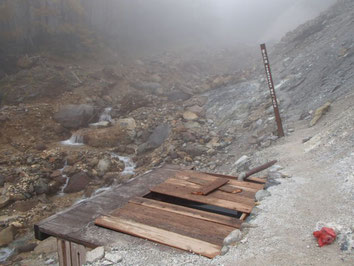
234	237
115	258
262	194
95	254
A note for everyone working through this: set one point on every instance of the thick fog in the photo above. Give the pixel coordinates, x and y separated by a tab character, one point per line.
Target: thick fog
157	24
145	26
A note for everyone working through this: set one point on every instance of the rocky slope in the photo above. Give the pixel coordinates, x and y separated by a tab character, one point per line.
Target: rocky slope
172	109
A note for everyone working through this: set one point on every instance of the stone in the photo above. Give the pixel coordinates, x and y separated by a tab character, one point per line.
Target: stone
262	194
4	201
243	163
198	110
178	95
106	137
75	116
26	247
233	238
41	186
319	113
275	168
103	166
46	246
195	149
127	123
94	255
77	183
224	250
158	136
190	116
115	258
7	235
41	147
101	124
274	175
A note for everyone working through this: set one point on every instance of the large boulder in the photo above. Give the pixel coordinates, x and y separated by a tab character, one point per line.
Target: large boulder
107	137
158	136
77	183
75	116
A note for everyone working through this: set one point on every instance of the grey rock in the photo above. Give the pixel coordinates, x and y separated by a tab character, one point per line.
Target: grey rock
115	258
195	149
275	175
242	176
103	166
275	168
243	163
233	238
41	186
158	136
178	95
95	254
224	250
75	116
262	194
46	246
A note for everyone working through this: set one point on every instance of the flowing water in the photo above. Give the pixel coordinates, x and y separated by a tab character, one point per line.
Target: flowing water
129	168
106	115
5	253
66	178
75	140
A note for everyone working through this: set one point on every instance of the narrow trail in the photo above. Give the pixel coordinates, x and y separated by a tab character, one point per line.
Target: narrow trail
288	217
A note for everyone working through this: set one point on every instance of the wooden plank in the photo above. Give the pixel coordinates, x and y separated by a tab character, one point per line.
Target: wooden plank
257	180
243	216
64	252
250	179
78	254
249	186
246	192
186	187
177	223
180	192
61	252
214	185
198	214
160	236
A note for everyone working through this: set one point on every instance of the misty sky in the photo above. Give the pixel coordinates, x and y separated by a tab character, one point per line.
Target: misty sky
264	20
156	25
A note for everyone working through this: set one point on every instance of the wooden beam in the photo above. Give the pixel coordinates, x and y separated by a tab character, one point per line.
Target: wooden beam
180	192
202	215
159	235
214	185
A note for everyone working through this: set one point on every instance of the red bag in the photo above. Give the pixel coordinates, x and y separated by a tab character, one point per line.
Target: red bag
325	236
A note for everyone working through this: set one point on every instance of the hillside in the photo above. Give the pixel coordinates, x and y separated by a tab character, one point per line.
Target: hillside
192	107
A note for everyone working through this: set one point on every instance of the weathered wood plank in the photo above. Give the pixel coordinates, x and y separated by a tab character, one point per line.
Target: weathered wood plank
159	235
198	214
214	185
186	187
177	223
180	192
245	192
249	186
250	179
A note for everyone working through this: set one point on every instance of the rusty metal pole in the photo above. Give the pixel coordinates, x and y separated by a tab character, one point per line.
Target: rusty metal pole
272	90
